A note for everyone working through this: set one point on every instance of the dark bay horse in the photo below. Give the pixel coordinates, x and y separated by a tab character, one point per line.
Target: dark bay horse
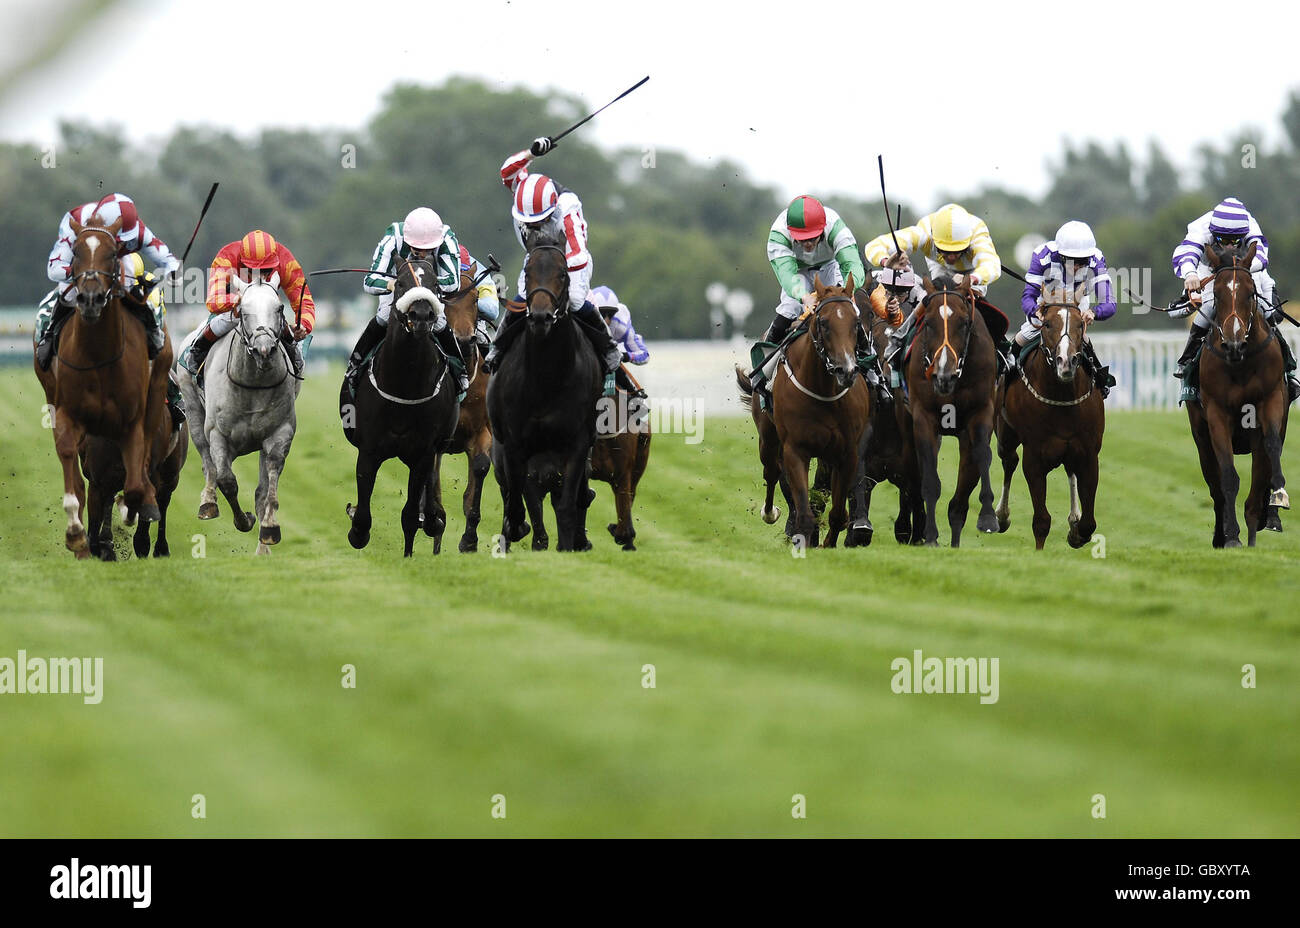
880	453
102	464
1059	418
405	408
102	384
542	408
1243	406
473	434
820	407
950	374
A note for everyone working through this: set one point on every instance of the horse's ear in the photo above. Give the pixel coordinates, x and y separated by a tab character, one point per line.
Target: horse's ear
817	286
1080	292
964	286
928	284
1250	252
1212	257
239	282
848	284
115	227
75	226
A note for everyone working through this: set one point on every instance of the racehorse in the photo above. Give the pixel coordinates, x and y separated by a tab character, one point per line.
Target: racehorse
405	408
820	407
950	373
105	475
1059	417
473	436
1243	406
619	458
102	384
245	405
542	407
880	453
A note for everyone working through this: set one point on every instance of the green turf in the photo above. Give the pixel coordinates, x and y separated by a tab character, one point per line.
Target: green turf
522	676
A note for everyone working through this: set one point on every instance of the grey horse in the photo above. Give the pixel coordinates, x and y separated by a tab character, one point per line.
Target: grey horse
246	405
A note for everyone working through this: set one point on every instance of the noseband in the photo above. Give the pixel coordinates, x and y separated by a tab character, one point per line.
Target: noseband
815	330
1247	324
1050	351
114	282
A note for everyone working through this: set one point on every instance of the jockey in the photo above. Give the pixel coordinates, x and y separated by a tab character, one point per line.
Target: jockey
133	237
618	318
421	236
1230	224
489	303
1067	262
809	241
542	204
256	256
952	242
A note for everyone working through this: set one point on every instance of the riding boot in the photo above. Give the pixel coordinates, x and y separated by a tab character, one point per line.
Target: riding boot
606	349
294	348
49	341
507	331
199	350
175	401
446	340
1288	365
369	340
774	335
1101	375
1194	339
624	380
898	341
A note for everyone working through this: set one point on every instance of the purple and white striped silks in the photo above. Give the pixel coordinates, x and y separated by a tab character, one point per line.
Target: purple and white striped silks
1228	218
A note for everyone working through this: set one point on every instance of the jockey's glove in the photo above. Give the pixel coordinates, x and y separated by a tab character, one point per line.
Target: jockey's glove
541	146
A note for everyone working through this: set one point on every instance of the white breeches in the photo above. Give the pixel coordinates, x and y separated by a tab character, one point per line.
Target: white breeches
830	276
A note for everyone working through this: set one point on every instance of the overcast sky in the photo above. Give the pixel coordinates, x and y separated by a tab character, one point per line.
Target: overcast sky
954	95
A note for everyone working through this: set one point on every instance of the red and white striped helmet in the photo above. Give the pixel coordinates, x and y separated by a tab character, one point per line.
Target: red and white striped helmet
535	198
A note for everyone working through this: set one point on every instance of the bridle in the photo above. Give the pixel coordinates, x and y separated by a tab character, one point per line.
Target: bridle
559	301
405	317
818	323
1247	324
114	281
946	344
1050	351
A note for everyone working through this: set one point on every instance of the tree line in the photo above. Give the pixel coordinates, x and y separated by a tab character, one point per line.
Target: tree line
662	226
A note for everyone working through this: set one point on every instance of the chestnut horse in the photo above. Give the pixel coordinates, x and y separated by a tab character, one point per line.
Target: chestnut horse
820	407
1243	406
619	458
1059	417
102	384
950	375
473	435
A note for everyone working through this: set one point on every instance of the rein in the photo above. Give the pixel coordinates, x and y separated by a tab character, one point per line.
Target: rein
561	305
820	349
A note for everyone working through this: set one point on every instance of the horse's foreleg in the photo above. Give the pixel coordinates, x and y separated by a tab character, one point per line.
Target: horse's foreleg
224	474
1036	479
435	515
161	548
794	468
138	490
925	440
417	480
769	454
1220	427
274	452
367	468
472	503
511	479
1008	441
1209	467
99	522
1274	420
967	476
982	430
569	508
842	478
67	438
1083	499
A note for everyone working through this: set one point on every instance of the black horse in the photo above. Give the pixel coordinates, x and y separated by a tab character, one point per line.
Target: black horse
405	408
542	406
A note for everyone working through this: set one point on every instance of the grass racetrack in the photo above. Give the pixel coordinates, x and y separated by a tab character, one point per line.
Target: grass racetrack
522	676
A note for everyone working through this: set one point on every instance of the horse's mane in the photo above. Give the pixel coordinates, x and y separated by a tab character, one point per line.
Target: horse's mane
945	281
549	233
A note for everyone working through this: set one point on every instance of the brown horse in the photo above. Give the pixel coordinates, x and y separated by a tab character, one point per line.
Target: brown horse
820	407
620	459
473	436
1059	417
950	374
102	384
1243	406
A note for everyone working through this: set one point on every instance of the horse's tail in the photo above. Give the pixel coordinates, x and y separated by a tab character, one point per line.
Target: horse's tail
742	381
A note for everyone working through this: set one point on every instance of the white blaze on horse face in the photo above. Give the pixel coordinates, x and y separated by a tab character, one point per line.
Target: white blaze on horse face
91	244
1063	347
1236	321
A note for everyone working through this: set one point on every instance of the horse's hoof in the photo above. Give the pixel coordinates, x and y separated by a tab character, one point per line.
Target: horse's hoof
162	550
437	544
358	539
208	511
859	535
931	544
1075	540
149	513
988	523
270	535
1004	521
1279	499
541	542
1232	543
1273	521
106	553
246	525
467	544
771	515
629	546
141	547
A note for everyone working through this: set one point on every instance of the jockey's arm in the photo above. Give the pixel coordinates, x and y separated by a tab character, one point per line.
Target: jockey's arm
381	264
784	265
1103	292
220	299
59	266
515	169
294	284
988	266
849	262
447	263
881	248
155	250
